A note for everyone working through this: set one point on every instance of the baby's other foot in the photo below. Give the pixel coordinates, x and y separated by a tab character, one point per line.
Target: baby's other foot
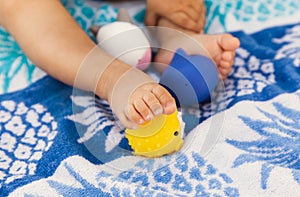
220	47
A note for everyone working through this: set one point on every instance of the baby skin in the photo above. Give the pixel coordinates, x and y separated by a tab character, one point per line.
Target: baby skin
55	43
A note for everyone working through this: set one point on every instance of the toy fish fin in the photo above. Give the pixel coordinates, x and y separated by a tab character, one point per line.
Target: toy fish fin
124	16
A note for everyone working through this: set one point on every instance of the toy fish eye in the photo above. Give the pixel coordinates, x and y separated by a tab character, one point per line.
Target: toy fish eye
176	133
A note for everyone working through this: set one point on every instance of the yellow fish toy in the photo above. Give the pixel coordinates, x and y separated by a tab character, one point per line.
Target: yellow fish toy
161	136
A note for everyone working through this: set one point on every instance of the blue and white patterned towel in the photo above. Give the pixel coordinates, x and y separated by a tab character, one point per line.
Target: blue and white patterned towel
55	141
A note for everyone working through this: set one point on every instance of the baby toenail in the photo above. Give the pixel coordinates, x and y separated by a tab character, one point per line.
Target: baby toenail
134	127
149	117
158	111
169	104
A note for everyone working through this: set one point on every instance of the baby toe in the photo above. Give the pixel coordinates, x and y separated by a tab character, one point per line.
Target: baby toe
225	64
228	56
128	123
142	109
165	98
225	72
228	42
153	103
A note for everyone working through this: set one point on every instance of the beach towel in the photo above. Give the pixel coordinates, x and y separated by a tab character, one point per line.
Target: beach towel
58	141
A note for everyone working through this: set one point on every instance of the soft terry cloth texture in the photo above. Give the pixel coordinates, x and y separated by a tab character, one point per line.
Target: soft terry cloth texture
249	148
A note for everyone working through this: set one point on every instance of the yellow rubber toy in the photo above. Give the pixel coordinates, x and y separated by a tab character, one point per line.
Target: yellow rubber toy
161	136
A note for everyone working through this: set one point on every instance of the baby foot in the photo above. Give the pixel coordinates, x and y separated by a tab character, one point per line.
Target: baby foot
147	101
221	49
136	102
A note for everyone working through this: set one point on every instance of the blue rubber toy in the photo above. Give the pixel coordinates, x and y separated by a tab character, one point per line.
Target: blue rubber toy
191	79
